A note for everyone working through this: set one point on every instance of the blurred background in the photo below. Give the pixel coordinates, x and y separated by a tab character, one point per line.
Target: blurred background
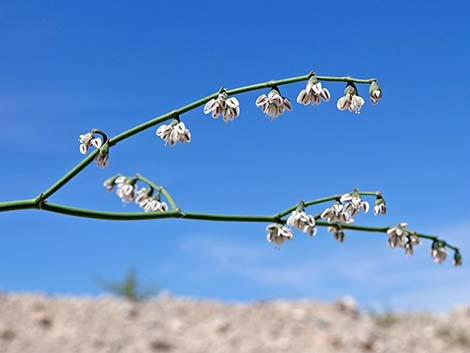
67	67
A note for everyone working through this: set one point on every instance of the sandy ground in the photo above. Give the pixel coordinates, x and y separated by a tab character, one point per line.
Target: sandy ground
31	323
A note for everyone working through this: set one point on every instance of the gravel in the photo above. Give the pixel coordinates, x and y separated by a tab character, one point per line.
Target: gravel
34	323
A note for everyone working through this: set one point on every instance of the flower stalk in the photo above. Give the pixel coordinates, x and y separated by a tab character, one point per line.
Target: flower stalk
298	217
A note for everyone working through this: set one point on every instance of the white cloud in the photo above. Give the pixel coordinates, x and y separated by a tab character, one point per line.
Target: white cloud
375	276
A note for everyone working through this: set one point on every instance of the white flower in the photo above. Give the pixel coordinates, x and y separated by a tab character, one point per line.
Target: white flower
338	233
277	233
153	205
380	207
303	222
396	234
109	183
408	242
125	191
439	254
88	139
400	236
375	93
174	132
273	104
457	258
229	108
351	100
142	195
120	179
353	203
313	93
102	159
149	203
337	213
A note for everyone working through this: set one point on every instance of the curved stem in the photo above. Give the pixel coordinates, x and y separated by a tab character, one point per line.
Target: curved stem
159	188
176	213
136	216
176	113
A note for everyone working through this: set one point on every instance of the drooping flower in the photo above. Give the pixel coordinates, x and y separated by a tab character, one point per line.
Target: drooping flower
174	132
408	242
313	93
229	108
101	159
337	213
338	233
375	93
273	104
353	203
150	203
142	195
278	233
400	236
395	234
125	189
110	182
351	99
438	252
87	140
303	222
379	206
457	258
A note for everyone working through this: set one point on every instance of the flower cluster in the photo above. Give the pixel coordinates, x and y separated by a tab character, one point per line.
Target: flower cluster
278	233
148	203
229	108
349	206
87	140
313	93
125	188
351	99
273	104
127	191
400	236
303	222
353	203
337	213
174	132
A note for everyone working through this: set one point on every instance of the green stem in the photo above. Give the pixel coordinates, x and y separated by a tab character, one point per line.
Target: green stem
176	113
17	205
70	174
164	192
176	213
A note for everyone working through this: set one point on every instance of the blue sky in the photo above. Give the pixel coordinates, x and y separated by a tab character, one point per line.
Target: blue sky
68	67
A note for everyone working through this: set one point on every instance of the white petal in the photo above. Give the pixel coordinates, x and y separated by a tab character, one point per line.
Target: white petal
261	100
210	106
301	97
287	104
342	103
83	148
325	94
96	142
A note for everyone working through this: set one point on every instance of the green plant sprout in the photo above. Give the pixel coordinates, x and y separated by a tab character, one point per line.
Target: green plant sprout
157	203
128	288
